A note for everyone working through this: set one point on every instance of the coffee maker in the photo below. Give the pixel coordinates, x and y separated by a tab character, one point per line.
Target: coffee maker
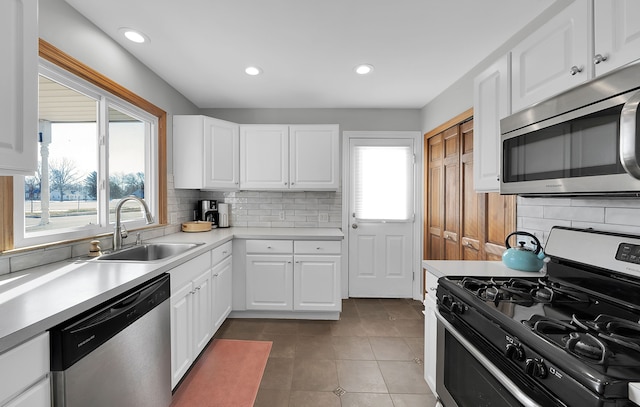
207	210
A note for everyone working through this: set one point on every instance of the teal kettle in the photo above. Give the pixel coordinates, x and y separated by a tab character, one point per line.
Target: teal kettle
523	258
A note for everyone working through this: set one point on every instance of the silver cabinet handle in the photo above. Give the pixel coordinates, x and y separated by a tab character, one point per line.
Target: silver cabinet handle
354	226
599	58
286	183
628	137
575	70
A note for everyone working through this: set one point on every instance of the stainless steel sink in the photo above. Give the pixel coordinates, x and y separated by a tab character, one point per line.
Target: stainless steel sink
150	252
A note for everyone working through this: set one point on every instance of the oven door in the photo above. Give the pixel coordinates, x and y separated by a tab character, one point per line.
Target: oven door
465	377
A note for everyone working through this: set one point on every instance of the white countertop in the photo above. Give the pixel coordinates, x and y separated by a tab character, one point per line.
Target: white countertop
476	268
34	300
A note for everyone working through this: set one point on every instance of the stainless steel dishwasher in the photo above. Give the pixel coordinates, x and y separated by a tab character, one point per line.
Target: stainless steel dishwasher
117	354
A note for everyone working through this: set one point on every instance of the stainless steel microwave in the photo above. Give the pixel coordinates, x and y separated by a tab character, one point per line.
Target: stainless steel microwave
585	141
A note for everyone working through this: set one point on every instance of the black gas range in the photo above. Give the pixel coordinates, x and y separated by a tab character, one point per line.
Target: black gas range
571	338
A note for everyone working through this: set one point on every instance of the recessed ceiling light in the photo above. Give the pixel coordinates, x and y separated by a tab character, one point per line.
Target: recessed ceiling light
363	69
253	70
134	35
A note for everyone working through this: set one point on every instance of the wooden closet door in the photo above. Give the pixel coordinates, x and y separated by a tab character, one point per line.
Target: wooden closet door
435	210
471	202
451	183
500	220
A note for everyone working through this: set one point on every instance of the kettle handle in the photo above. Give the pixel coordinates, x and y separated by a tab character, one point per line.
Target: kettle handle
535	240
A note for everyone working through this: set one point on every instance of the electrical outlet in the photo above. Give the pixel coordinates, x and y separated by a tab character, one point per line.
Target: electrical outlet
281	215
323	217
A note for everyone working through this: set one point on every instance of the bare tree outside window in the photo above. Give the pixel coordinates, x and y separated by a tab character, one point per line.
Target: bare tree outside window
64	174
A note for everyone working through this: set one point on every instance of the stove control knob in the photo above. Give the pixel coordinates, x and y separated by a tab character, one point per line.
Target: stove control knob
515	352
536	368
457	308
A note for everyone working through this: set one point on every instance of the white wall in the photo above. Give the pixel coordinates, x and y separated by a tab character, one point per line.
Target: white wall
348	119
459	96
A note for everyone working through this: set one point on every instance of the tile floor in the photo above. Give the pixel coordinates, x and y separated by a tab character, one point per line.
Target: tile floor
371	357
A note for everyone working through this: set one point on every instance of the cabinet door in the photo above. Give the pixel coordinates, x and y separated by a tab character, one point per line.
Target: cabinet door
316	286
491	102
314	153
221	284
430	342
181	333
222	154
543	63
270	282
201	312
264	157
19	84
38	395
617	33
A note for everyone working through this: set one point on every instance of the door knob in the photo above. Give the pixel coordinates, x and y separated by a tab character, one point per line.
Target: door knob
354	225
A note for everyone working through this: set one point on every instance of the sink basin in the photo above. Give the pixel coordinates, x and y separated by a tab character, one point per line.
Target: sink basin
150	252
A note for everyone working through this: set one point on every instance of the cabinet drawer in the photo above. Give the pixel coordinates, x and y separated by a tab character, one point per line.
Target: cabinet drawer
317	247
188	271
27	363
220	253
270	246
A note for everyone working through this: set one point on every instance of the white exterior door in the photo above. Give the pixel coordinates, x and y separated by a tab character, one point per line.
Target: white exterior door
381	217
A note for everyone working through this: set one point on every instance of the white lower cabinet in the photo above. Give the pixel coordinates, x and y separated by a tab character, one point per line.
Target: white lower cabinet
270	282
221	289
430	331
200	302
28	385
283	275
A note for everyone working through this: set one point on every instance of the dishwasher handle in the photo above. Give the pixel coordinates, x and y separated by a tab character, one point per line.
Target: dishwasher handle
73	339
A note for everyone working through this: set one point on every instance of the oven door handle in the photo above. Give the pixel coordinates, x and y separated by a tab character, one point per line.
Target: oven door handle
495	372
629	136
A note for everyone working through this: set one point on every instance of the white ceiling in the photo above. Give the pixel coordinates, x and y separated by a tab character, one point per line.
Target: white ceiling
308	48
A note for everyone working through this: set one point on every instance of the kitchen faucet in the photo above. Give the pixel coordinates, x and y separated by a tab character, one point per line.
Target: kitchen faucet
120	231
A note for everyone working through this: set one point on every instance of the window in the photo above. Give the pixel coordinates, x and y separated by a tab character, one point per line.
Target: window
94	149
383	181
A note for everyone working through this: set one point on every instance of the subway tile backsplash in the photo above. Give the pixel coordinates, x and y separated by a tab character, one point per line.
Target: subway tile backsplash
314	209
539	215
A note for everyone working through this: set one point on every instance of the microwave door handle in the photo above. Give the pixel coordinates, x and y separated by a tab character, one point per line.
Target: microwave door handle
629	136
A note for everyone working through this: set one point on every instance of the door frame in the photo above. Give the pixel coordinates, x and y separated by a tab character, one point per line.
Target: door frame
418	148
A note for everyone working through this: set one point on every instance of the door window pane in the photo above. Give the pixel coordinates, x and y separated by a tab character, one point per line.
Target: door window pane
383	182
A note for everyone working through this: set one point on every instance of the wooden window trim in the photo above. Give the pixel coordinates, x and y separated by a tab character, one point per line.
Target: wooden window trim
72	65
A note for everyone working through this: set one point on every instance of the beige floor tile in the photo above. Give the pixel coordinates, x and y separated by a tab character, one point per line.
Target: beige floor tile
360	376
352	348
272	398
278	374
366	400
314	375
313	399
404	377
314	347
413	400
390	348
283	346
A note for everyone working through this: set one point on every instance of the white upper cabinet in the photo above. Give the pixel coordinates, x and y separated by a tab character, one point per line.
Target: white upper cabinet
205	153
314	157
264	157
617	34
554	58
222	154
19	84
491	103
304	157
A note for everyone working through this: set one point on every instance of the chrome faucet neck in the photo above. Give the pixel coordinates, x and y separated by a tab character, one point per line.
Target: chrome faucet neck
118	234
